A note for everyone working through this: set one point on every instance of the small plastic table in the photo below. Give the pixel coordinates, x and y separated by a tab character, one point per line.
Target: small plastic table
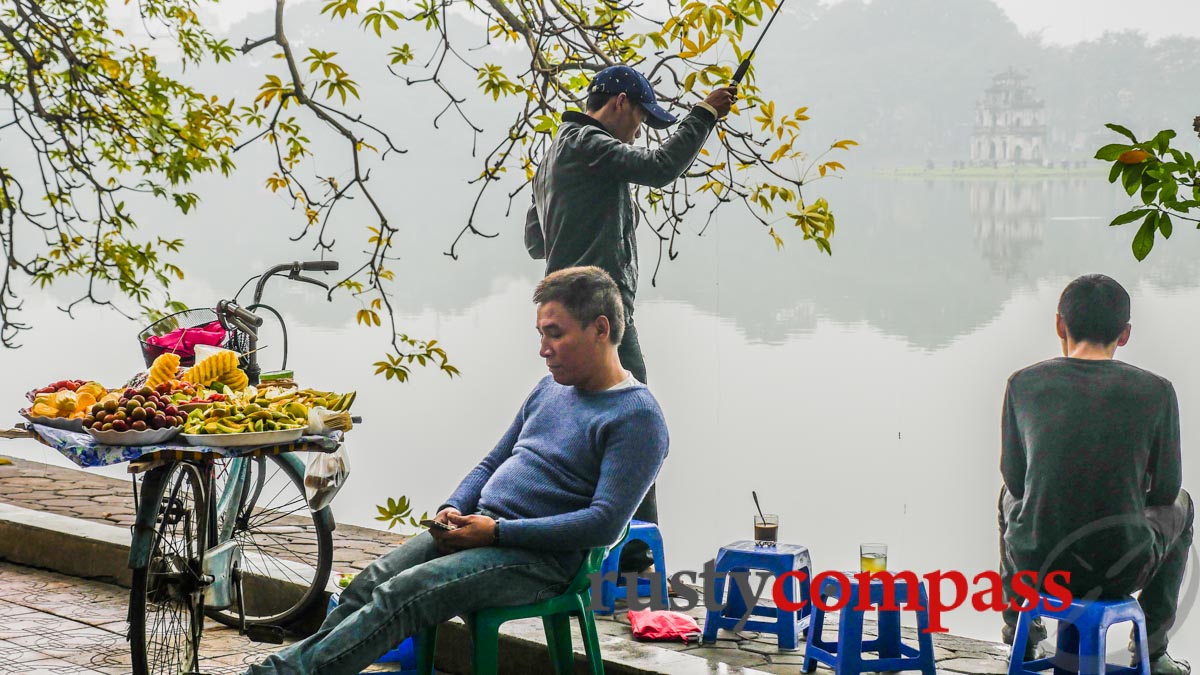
845	655
746	556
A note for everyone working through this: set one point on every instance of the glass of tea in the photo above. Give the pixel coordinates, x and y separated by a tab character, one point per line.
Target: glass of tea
872	557
766	529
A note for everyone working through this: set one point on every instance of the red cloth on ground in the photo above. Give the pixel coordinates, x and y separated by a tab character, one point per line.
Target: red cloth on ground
650	624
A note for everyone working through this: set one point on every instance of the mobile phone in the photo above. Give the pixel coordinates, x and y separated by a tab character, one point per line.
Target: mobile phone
438	525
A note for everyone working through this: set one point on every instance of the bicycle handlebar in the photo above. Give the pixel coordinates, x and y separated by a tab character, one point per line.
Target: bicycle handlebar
237	311
293	270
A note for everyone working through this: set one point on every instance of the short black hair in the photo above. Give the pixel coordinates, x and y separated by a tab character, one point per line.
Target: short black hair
597	100
1095	308
586	293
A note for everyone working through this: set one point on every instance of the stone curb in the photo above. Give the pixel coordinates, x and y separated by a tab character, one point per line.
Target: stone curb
91	550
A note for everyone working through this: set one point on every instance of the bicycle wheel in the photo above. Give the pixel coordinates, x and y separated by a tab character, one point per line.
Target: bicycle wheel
165	604
287	549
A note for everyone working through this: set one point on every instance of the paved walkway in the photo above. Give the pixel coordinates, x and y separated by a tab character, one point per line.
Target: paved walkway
93	639
50	623
79	494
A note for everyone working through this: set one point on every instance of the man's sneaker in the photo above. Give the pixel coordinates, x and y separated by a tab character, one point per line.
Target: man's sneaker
1165	665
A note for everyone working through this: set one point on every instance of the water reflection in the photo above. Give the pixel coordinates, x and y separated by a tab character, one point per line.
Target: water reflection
1008	216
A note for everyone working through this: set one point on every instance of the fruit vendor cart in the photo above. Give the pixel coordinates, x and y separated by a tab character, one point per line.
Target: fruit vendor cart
230	524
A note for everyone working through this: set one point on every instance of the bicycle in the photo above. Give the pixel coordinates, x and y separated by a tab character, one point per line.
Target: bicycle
228	538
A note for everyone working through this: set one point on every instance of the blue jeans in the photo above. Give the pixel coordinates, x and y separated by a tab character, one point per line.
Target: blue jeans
411	588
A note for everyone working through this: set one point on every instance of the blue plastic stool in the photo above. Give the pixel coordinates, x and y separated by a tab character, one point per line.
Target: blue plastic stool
744	556
1082	627
404	653
610	592
846	655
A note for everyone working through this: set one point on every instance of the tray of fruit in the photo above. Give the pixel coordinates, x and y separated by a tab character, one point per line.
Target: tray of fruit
63	404
228	425
244	439
137	417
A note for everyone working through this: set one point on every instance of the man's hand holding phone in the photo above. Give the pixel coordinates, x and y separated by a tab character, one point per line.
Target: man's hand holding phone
436	525
463	531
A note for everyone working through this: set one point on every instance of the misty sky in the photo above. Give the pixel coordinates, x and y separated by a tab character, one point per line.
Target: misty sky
1059	21
1071	21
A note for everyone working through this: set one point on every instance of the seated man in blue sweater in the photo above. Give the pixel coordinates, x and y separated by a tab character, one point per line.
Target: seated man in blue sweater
566	476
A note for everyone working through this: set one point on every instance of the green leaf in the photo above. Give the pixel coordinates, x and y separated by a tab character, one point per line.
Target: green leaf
1128	217
1162	140
1164	225
1123	131
1111	152
1132	177
1143	241
1115	172
1149	189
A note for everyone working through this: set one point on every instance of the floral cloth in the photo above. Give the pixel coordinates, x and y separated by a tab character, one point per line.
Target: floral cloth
86	451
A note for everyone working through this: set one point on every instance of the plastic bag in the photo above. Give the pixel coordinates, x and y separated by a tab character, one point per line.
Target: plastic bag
324	475
323	422
651	624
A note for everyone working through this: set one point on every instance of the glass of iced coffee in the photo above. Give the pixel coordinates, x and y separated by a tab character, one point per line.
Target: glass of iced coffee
766	529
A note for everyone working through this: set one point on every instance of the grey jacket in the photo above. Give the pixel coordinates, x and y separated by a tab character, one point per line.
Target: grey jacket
583	212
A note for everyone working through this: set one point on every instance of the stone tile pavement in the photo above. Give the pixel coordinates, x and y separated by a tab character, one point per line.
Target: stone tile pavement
50	623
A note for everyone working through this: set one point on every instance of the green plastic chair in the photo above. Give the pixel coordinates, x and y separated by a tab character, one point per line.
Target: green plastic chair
556	616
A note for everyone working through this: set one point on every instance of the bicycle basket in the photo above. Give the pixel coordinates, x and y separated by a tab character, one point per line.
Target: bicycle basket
191	318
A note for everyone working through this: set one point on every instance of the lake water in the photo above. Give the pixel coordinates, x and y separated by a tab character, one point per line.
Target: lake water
858	394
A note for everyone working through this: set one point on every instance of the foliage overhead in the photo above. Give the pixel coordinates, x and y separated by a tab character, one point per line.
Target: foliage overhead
685	50
102	120
1165	178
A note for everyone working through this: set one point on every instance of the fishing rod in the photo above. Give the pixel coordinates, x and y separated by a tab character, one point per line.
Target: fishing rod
745	64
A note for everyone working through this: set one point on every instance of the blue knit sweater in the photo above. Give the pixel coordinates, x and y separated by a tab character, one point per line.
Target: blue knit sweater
571	470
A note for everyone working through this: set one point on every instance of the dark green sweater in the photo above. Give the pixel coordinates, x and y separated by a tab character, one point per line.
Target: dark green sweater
1086	447
583	212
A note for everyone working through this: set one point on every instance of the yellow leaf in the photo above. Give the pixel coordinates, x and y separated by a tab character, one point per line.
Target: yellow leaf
111	67
844	144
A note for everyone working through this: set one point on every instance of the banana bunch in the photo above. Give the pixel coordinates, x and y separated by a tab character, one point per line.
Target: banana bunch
225	418
220	367
163	369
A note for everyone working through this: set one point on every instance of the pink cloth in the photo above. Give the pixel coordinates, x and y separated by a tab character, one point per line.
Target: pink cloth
650	624
183	341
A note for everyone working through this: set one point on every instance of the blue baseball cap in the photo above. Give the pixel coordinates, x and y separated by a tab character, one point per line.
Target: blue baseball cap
635	86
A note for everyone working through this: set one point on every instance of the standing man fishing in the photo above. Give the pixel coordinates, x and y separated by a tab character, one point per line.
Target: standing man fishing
583	212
